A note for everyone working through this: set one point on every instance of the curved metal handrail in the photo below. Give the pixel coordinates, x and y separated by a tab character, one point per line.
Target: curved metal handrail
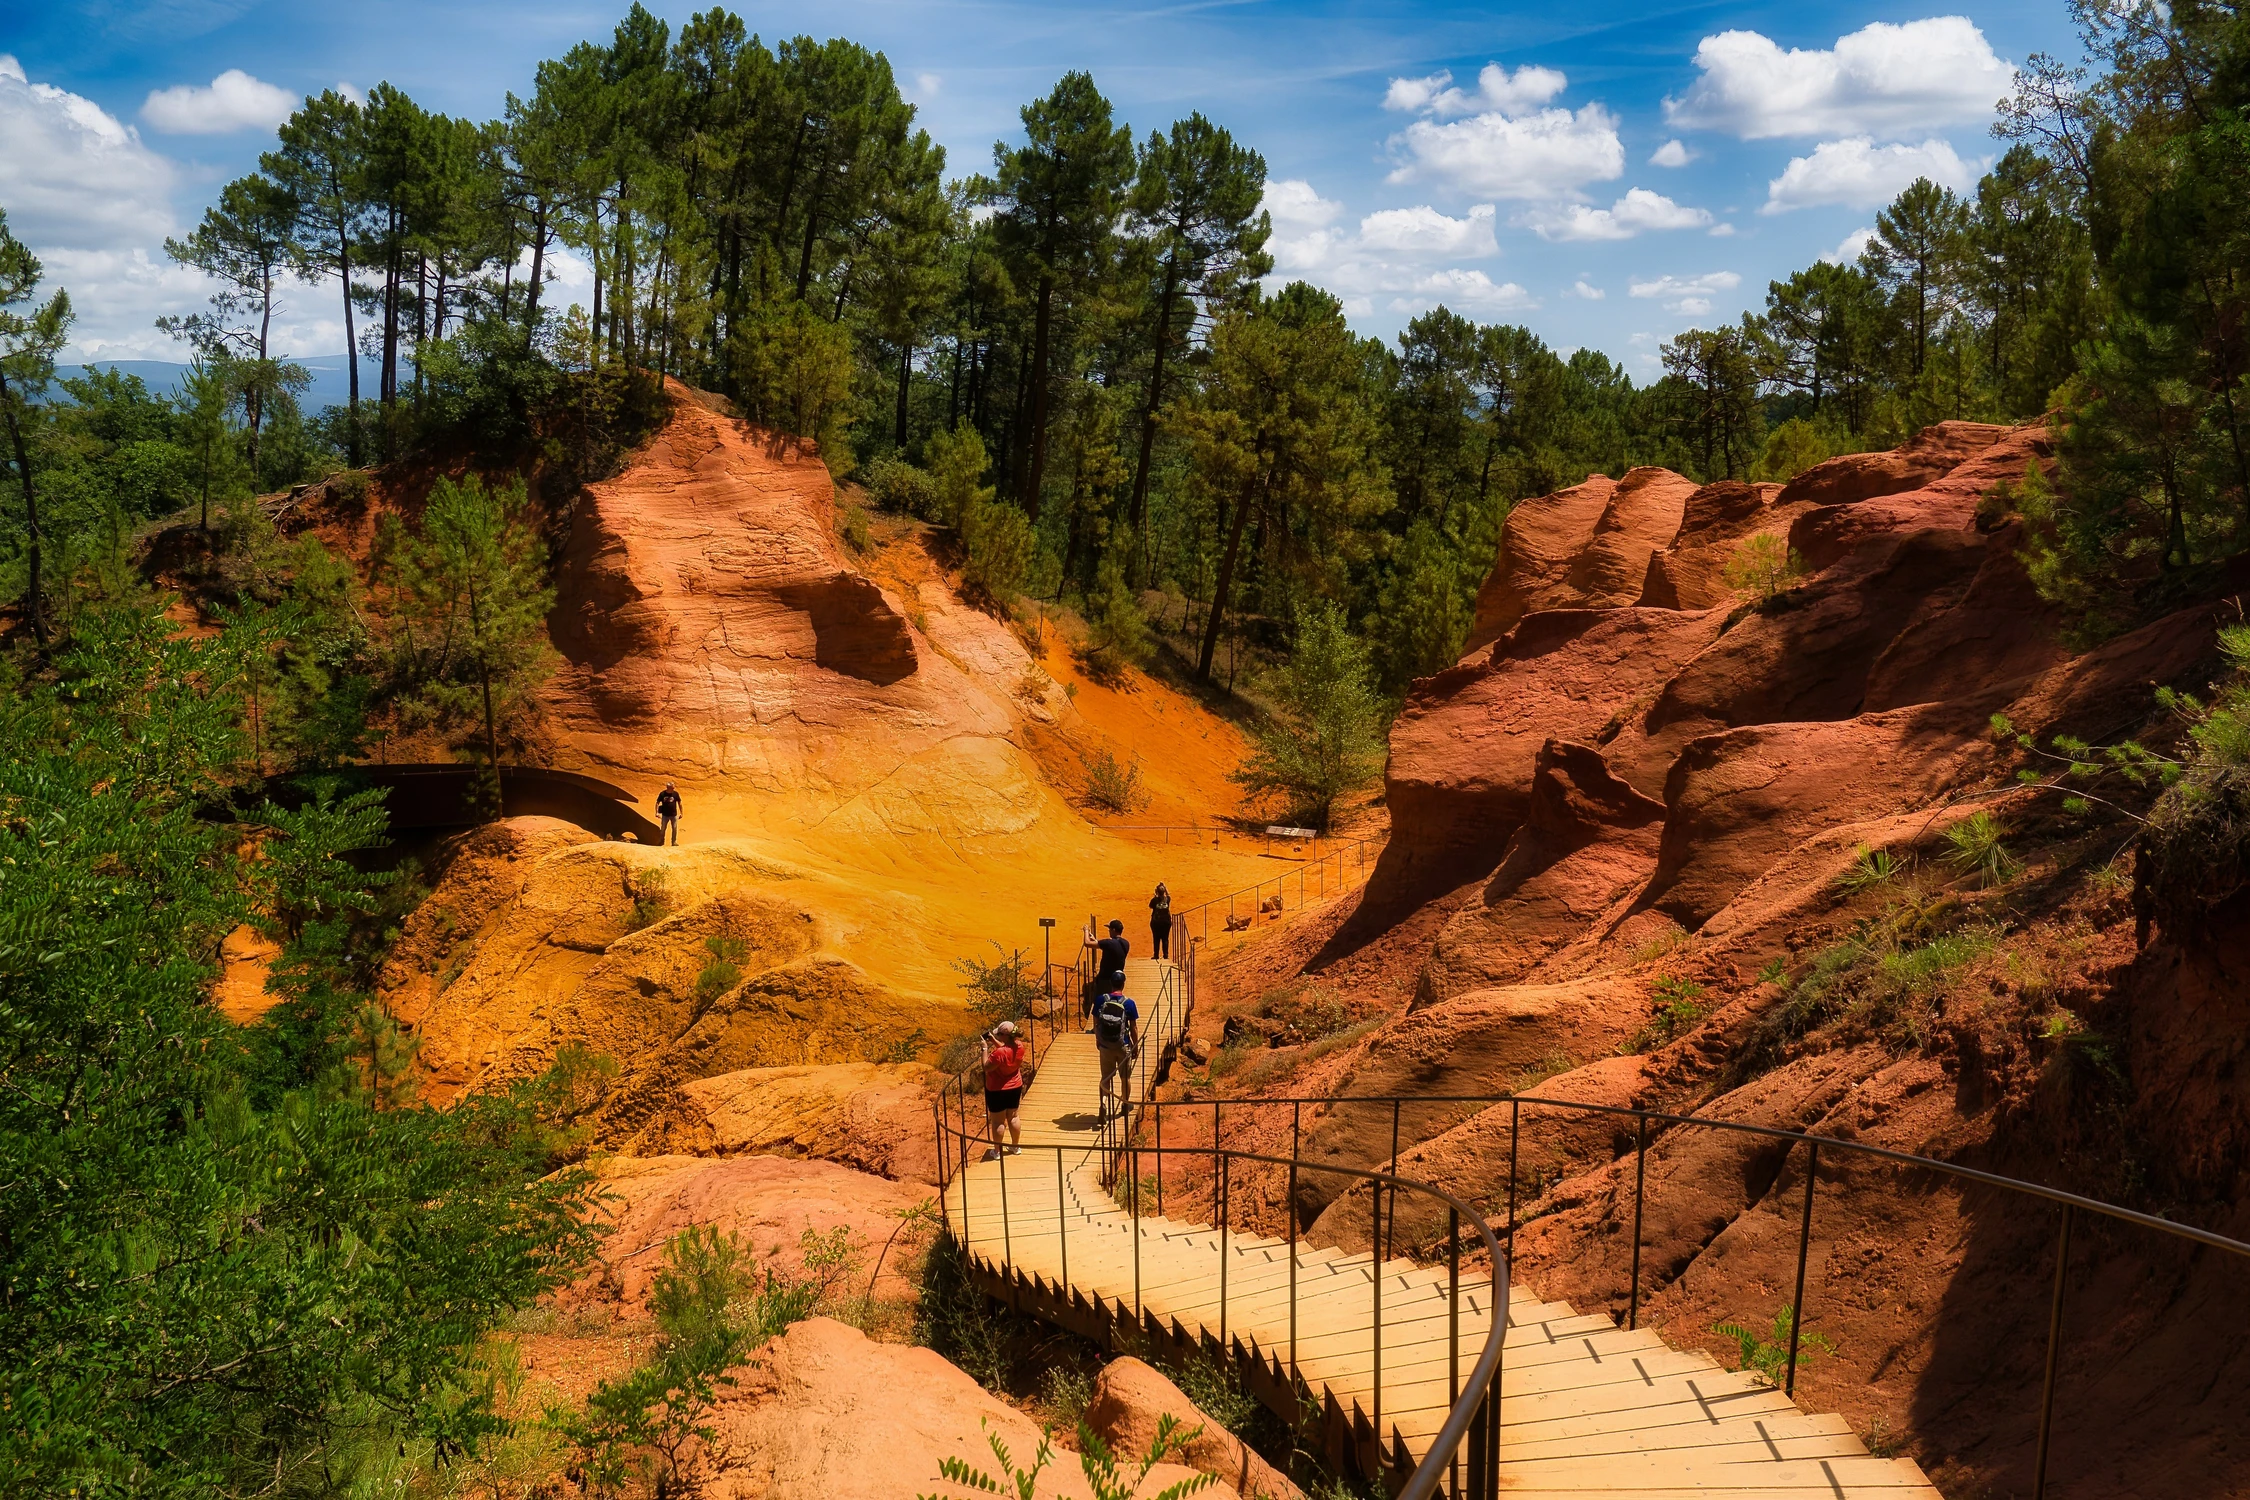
1667	1117
1484	1375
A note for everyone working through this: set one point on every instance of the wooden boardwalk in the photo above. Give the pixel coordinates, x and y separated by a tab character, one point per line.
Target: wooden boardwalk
1587	1408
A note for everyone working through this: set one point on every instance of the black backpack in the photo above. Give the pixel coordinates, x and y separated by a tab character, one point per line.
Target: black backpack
1109	1022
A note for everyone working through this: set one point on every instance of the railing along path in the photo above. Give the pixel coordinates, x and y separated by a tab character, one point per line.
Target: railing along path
1389	1357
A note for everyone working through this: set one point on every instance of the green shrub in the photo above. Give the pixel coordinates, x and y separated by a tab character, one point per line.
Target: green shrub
1114	785
724	971
853	528
1765	1354
1002	989
651	904
902	489
1762	566
1974	847
1870	868
1678	1005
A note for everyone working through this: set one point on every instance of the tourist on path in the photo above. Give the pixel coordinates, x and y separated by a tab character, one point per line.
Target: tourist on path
1117	1037
1003	1087
1160	922
668	814
1109	967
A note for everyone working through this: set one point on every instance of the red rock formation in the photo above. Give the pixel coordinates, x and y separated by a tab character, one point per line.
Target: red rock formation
1718	519
1828	532
1930	454
1642	517
1464	748
1538	546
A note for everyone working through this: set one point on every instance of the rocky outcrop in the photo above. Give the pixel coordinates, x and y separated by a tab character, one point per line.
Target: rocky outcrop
1642	517
871	1116
1465	747
768	1202
1690	573
1930	454
824	1411
1829	531
713	630
1538	545
1131	1397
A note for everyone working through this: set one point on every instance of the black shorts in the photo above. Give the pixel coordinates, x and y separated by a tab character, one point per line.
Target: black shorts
998	1100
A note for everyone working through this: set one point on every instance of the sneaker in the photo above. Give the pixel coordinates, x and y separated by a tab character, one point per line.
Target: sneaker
1015	1150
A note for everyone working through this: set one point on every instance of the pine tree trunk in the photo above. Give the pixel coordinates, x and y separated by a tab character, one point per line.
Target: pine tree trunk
34	606
1224	582
1036	469
1155	394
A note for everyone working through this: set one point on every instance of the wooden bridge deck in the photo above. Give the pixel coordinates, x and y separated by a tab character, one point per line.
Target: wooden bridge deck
1587	1408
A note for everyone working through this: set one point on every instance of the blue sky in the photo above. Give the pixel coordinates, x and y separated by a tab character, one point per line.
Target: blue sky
1605	175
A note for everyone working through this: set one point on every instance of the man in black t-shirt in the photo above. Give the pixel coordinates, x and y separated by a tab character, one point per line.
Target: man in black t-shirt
1109	973
668	814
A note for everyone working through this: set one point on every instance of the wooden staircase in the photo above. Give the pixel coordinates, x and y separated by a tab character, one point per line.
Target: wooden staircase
1587	1408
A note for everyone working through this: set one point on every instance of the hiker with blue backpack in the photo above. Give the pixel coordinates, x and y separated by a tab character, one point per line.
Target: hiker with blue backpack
1109	970
1117	1037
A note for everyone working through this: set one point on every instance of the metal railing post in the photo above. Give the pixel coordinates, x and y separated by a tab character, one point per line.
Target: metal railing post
1394	1172
1007	1227
1292	1208
1453	1334
1804	1248
1640	1182
1062	1222
1159	1108
1225	1161
1140	1322
1515	1131
1375	1245
2054	1348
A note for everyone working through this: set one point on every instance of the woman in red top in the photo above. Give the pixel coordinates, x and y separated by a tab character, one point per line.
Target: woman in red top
1003	1085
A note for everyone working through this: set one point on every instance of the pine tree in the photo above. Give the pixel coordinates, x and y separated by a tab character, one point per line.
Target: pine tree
29	341
1327	739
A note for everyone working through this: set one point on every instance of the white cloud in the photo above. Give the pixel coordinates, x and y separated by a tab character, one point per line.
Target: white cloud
350	92
1687	294
1881	79
1585	291
928	84
234	101
1462	290
1722	231
1673	153
1848	249
1551	154
1864	175
1413	95
72	176
1295	204
1425	231
1387	259
1637	211
1528	87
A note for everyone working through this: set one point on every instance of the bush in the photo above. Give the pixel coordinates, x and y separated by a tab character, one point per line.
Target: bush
724	971
1870	868
1974	847
2198	833
793	370
1001	990
1679	1005
1762	566
1114	785
902	489
854	530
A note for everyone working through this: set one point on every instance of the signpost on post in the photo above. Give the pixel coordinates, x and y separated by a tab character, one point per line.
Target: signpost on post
1279	831
1047	970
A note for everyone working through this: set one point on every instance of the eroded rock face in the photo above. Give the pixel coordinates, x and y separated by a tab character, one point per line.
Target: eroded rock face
871	1116
1930	454
1538	546
1131	1397
1466	745
768	1202
1827	532
1717	521
714	631
823	1411
1642	517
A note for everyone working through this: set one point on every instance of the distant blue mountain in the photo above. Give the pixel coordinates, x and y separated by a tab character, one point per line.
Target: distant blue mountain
330	384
